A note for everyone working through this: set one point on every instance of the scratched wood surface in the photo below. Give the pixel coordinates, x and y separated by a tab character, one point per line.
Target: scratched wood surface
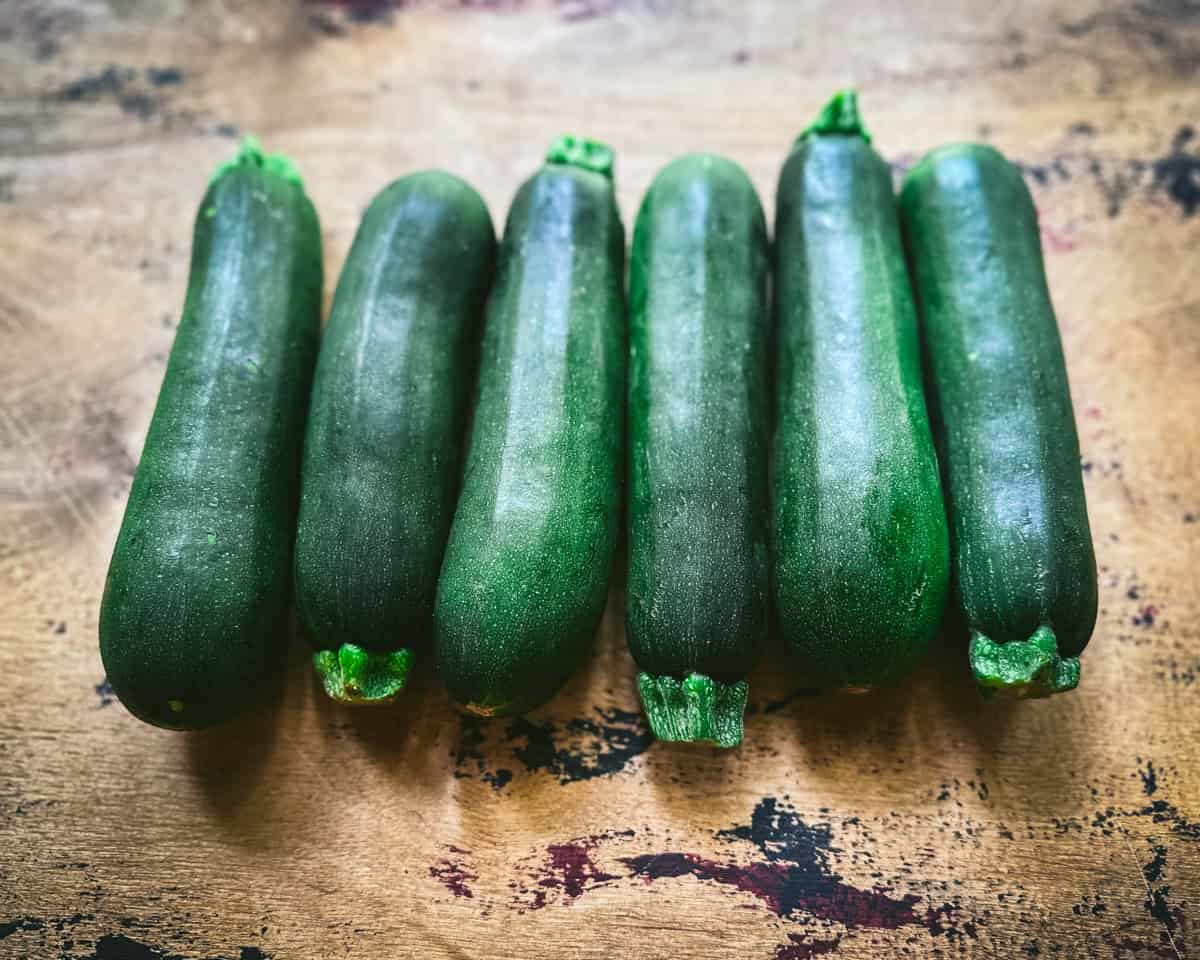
915	822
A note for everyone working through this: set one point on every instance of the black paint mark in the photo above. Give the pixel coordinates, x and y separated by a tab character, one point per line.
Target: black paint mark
454	872
1145	616
94	86
106	693
1157	903
164	76
226	130
1153	871
140	105
121	85
799	948
590	748
61	627
1178	172
741	57
1149	778
471	753
9	927
120	947
1082	129
1159	811
580	749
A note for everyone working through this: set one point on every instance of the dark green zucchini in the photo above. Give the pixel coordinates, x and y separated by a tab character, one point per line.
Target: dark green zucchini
525	576
1024	567
382	449
195	608
860	546
696	610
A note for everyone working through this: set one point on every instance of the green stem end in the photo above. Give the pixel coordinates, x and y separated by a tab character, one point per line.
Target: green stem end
695	709
352	675
583	153
250	154
1023	669
838	117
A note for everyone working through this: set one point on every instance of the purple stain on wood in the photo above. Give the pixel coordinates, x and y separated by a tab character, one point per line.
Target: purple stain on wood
565	873
571	869
454	873
1145	616
788	890
794	876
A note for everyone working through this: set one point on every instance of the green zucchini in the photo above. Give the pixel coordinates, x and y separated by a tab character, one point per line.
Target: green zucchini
525	575
382	450
195	608
1024	567
861	563
697	610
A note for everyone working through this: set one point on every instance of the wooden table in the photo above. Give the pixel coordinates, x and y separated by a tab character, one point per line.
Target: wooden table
917	822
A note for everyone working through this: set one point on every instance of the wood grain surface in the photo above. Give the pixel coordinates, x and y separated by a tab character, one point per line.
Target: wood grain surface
915	822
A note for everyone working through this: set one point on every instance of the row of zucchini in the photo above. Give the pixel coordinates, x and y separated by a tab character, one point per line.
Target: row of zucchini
459	481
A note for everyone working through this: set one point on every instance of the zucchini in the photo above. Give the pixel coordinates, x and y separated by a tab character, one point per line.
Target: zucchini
195	607
697	610
861	563
525	575
1024	566
382	453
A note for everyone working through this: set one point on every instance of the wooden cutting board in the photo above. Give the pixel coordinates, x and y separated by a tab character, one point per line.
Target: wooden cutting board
917	822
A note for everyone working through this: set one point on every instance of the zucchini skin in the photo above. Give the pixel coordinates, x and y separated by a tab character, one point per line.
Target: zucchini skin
525	575
1024	565
697	596
860	548
195	607
382	452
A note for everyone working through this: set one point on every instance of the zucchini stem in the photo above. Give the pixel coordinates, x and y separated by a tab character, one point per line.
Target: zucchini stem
250	154
583	153
838	117
1022	669
352	675
695	709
